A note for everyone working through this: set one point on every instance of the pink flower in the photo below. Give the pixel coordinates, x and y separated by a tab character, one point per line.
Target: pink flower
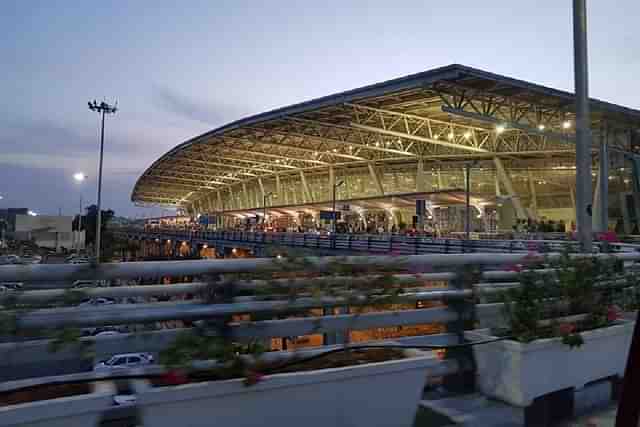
566	328
516	267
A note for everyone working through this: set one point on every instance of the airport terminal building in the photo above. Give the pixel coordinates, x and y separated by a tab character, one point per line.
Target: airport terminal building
404	153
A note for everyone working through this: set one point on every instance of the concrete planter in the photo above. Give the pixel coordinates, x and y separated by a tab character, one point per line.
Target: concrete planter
517	372
74	411
380	394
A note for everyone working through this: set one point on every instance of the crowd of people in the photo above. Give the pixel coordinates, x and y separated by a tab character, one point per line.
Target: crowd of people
542	226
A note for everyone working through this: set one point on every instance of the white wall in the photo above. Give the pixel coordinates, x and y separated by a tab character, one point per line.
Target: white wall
48	231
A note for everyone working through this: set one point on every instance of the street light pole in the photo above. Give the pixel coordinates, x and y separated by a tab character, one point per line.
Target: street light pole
583	127
79	177
103	108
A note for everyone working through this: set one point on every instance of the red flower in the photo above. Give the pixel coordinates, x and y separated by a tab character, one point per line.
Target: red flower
566	328
613	313
252	378
175	377
516	267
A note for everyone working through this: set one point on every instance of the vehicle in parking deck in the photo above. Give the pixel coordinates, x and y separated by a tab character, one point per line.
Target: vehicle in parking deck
96	302
9	259
107	333
78	261
13	286
124	361
89	284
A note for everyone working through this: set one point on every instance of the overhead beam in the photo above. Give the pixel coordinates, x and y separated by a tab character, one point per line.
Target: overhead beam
255	140
418	138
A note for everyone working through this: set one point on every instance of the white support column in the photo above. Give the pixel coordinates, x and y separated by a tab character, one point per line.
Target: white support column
439	177
533	206
220	204
245	196
261	185
305	189
332	182
498	192
601	197
232	200
281	196
376	179
421	181
508	185
572	196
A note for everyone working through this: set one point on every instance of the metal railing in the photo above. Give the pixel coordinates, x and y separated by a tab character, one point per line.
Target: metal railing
459	302
371	243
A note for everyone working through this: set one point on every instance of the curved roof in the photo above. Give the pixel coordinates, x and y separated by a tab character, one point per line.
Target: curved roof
444	113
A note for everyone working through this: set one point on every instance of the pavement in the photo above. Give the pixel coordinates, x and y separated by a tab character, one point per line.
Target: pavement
475	410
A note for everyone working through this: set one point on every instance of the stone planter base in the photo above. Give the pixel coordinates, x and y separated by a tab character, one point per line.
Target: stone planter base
376	394
517	373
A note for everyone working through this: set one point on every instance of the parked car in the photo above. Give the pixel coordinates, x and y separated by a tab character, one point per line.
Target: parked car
14	286
89	284
96	302
107	333
124	361
78	260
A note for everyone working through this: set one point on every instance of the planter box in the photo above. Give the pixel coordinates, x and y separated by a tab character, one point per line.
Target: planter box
517	372
73	411
376	394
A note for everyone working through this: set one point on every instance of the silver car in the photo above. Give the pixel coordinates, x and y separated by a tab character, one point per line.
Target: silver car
124	361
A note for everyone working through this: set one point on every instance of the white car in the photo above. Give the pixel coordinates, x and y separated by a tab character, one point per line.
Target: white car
124	361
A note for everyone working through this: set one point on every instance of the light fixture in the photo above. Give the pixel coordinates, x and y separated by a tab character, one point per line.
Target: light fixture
335	150
566	124
205	246
467	135
79	176
436	136
500	129
279	256
234	251
451	135
377	144
32	213
540	127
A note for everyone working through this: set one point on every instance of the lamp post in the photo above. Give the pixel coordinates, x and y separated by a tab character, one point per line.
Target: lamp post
264	207
103	108
333	210
79	177
583	127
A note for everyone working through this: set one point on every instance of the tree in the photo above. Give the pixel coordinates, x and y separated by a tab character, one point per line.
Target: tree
89	221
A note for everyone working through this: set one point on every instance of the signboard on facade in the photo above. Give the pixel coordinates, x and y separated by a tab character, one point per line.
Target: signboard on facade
328	215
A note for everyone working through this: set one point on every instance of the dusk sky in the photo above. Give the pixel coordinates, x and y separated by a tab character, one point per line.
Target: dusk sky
178	69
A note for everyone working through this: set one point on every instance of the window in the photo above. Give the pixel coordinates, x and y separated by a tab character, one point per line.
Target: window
119	361
134	360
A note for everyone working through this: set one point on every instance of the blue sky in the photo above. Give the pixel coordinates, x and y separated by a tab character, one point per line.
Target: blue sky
179	69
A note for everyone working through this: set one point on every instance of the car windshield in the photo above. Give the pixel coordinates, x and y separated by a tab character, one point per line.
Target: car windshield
115	360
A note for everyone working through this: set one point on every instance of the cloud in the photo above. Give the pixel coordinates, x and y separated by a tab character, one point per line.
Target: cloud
181	105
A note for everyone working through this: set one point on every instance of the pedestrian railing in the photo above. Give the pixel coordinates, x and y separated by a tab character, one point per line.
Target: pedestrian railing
370	243
257	304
